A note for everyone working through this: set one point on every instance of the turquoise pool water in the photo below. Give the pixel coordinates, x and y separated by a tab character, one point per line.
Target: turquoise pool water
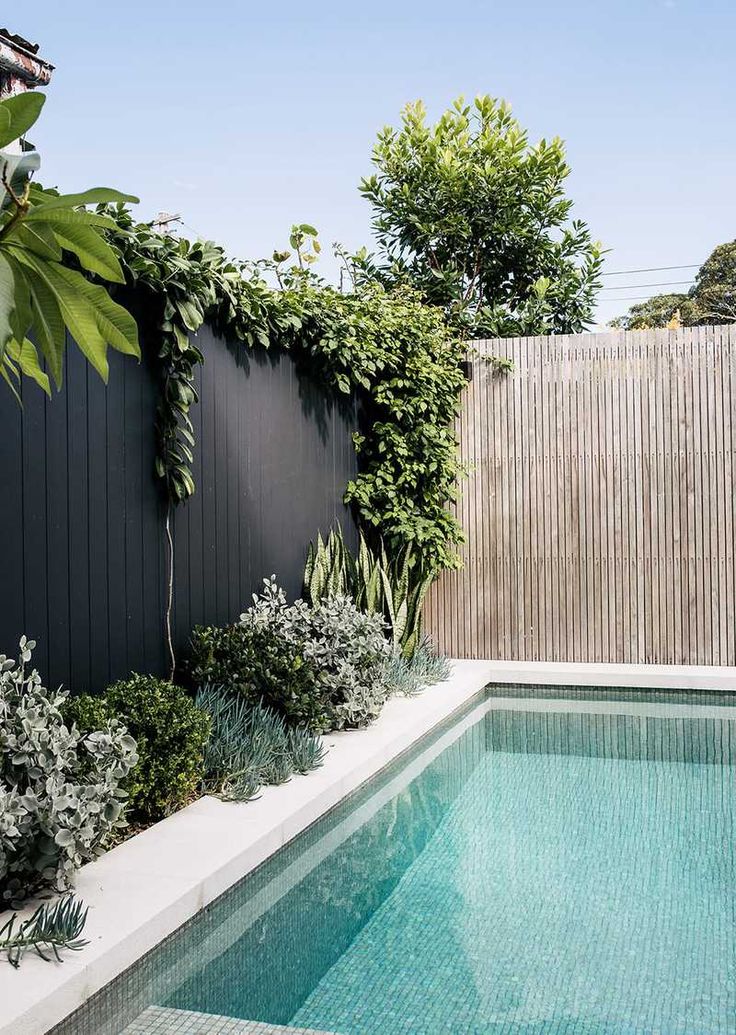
553	867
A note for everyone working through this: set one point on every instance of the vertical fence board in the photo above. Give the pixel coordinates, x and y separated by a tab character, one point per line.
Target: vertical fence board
599	511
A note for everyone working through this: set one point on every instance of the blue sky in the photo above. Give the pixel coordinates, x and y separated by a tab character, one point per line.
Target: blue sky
248	117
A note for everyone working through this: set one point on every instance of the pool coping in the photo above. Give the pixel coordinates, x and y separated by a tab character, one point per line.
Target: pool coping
147	887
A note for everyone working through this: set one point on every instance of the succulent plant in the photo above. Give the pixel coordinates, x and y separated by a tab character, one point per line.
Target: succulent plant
60	791
394	588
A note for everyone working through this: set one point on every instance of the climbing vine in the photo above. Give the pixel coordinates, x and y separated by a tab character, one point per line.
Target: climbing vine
393	353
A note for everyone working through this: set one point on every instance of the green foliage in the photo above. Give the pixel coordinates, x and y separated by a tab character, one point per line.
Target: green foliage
345	647
41	294
407	676
304	240
714	291
658	311
251	745
261	664
395	355
184	283
476	219
330	568
400	351
317	667
395	589
52	927
61	797
711	299
171	734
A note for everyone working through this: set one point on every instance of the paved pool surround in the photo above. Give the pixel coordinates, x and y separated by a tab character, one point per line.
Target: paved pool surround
146	888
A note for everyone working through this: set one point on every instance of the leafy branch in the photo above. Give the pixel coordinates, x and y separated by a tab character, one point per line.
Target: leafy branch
395	355
49	243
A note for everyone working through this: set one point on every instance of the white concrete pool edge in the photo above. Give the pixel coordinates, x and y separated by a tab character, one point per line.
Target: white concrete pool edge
146	888
651	677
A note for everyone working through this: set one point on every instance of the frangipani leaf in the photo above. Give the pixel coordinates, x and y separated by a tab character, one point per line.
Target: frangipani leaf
48	324
94	196
77	313
62	217
26	357
40	239
7	302
22	316
92	250
116	325
40	296
18	114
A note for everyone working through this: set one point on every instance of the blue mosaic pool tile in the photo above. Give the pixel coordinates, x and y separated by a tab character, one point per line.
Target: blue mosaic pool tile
561	895
159	1020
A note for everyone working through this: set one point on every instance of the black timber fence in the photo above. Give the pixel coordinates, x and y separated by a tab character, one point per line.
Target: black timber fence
82	516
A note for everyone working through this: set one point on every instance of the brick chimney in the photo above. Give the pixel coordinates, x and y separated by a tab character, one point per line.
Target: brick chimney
20	66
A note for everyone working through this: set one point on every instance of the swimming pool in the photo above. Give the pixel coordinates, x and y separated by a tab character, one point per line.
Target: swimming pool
558	862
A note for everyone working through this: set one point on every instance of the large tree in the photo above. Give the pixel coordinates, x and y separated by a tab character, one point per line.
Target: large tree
477	220
711	299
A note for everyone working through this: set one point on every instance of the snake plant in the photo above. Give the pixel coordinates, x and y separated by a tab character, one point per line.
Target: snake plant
395	588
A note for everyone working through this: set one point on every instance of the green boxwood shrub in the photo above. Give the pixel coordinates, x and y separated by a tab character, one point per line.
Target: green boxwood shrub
171	734
262	665
319	667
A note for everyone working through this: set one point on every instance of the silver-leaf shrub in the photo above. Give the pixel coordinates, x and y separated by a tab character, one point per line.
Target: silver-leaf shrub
346	648
60	796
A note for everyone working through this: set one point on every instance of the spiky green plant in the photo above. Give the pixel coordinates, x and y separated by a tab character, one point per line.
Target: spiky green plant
251	745
394	588
53	927
368	590
404	586
306	751
330	568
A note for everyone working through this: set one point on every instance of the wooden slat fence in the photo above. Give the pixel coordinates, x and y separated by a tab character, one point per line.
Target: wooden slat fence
599	510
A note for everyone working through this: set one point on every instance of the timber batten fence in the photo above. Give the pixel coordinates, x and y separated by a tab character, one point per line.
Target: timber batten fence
599	510
82	523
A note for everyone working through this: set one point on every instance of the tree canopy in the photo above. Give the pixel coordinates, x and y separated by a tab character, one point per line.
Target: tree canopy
476	218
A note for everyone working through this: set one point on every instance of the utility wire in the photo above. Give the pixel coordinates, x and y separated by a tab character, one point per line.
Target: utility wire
661	283
653	269
195	232
630	298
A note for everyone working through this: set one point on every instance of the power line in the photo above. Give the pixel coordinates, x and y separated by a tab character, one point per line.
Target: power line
653	269
189	227
662	283
631	298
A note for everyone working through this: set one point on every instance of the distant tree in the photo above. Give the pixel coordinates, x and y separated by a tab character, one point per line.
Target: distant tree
711	299
714	292
658	311
477	220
